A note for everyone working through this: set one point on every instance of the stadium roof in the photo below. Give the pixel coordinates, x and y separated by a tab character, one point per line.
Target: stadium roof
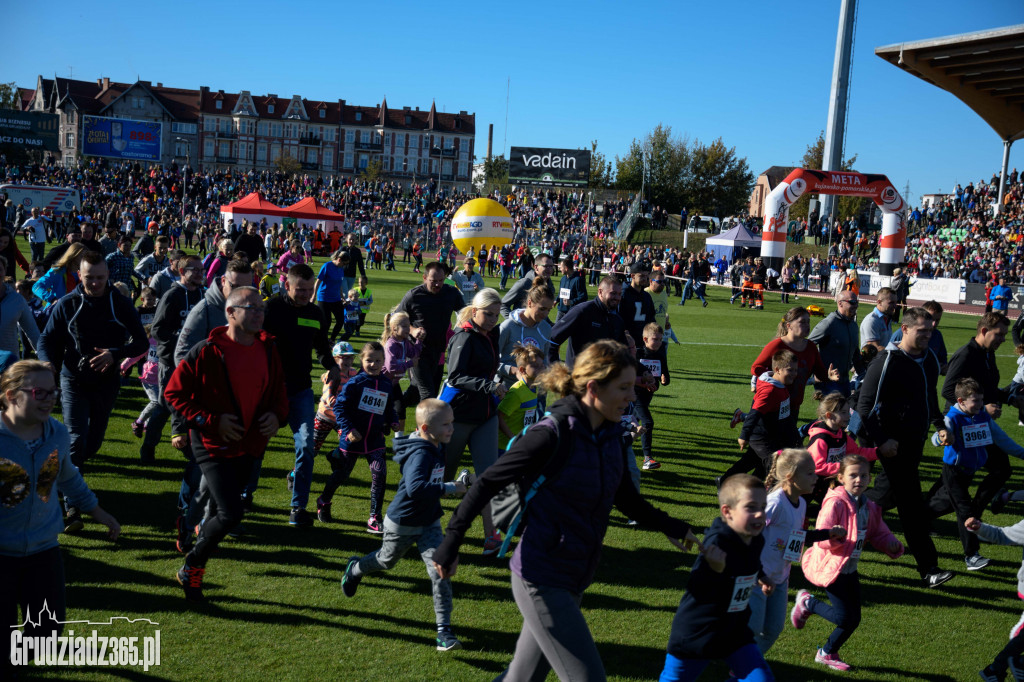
985	70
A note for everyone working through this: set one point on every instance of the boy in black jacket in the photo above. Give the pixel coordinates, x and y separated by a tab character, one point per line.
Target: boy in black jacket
711	621
415	513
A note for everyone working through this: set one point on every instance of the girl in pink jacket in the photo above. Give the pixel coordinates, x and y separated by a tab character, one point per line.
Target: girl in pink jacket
832	564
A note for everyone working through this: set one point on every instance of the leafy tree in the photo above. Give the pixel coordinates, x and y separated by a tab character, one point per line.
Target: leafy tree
813	158
496	170
288	164
373	172
720	183
601	169
10	96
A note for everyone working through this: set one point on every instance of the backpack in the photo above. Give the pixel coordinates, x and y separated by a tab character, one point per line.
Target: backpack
509	505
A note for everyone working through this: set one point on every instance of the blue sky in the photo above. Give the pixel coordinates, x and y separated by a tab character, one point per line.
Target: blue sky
756	74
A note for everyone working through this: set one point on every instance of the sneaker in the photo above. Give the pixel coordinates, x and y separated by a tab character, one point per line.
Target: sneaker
632	522
375	525
1017	668
73	521
238	531
446	641
191	579
976	562
1016	629
999	501
350	582
737	417
650	464
184	540
705	304
800	613
138	430
990	675
246	504
290	481
492	544
323	510
831	660
937	577
300	518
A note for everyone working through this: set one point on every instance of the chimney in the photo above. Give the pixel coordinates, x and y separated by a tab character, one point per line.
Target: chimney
490	140
106	82
159	85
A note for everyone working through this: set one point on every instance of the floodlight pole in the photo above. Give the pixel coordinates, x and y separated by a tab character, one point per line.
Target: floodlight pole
835	131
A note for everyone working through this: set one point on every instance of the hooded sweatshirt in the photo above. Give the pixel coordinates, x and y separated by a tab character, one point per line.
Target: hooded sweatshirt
202	319
772	419
30	514
515	330
418	498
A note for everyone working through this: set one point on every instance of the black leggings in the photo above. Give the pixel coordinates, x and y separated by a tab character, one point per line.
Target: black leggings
404	399
226	478
337	310
28	582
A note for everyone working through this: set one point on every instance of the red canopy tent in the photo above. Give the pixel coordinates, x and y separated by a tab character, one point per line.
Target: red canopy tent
253	208
309	210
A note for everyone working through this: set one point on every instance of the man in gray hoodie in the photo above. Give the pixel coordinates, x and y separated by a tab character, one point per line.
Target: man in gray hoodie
838	341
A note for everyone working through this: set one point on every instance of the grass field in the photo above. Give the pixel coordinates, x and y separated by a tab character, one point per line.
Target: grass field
276	610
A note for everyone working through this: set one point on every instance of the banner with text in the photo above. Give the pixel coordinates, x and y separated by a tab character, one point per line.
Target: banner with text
555	167
939	289
121	138
30	129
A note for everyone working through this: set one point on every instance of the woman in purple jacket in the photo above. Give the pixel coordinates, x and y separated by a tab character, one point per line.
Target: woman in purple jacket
566	520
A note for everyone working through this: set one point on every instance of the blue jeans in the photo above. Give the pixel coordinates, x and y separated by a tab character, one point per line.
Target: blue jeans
87	405
301	411
347	285
747	662
844	612
768	615
159	416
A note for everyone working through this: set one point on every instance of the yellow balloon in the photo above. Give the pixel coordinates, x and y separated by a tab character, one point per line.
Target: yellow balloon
481	222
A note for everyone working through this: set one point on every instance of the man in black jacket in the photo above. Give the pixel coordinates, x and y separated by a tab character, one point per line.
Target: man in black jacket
355	262
251	243
171	311
299	328
89	333
430	306
898	401
590	321
637	307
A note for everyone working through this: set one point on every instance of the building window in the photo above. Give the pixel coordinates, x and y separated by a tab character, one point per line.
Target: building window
264	128
329	135
275	152
138	102
348	158
219	104
462	168
69	140
359	116
181	149
408	120
426	141
464	151
275	129
323	114
328	158
261	152
208	148
270	108
364	136
184	128
364	161
399	140
350	137
387	139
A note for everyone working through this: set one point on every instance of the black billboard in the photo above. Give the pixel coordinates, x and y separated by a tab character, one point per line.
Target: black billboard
555	167
30	129
976	296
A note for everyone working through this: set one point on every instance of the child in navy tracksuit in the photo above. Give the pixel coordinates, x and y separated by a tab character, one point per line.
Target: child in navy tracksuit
415	513
712	619
365	414
973	431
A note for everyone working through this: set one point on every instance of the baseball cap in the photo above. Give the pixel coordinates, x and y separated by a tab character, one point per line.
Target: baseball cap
343	348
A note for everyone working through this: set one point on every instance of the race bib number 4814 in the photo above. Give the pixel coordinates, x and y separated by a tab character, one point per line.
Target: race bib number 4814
373	401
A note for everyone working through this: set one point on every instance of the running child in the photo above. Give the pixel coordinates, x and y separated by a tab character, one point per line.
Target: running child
829	442
653	356
148	376
415	513
832	563
351	312
365	414
973	431
520	408
365	298
401	353
792	476
1010	656
711	621
147	305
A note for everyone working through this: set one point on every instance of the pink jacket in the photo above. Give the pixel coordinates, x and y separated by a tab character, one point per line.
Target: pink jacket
150	368
823	561
828	448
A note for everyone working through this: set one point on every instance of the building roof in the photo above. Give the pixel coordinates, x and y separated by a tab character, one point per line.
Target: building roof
777	174
984	70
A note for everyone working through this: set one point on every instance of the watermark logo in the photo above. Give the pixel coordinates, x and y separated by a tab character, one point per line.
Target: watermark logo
78	649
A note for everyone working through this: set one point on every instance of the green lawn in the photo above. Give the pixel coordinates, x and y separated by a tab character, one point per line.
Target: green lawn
276	610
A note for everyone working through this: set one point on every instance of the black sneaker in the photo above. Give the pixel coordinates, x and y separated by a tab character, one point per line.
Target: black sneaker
238	531
446	641
999	502
300	518
990	675
937	577
349	582
184	539
323	510
147	454
246	503
191	579
73	521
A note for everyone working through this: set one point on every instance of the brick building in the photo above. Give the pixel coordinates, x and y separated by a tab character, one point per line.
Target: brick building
216	130
766	182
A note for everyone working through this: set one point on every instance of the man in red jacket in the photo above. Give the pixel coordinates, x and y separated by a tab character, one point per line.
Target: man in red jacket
230	390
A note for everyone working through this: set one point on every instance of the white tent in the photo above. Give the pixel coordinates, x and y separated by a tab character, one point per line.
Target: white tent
730	244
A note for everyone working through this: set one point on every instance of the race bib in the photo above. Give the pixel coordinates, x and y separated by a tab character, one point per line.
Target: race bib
836	454
468	286
654	366
977	435
151	355
859	547
564	294
784	409
437	475
530	418
373	401
275	289
741	591
146	318
794	545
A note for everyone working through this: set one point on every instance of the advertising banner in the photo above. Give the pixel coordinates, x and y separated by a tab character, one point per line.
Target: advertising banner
555	167
121	138
976	296
30	129
939	289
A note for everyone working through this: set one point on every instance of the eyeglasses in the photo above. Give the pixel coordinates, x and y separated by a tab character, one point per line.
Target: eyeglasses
192	269
40	393
850	302
257	308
